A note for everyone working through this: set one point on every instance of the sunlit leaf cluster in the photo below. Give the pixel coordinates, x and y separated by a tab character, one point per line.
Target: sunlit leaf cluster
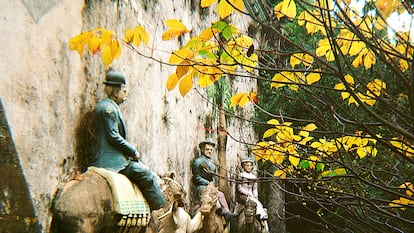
216	51
225	7
294	148
101	40
402	203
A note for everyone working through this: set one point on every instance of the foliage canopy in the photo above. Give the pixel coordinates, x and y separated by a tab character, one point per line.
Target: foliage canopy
342	128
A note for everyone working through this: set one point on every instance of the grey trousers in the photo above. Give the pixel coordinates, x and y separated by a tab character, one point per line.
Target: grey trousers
140	174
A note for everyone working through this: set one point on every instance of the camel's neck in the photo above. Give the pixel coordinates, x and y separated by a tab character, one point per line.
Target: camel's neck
209	221
252	226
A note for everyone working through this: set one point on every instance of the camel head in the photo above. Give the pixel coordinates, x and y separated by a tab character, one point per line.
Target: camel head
250	210
208	199
172	190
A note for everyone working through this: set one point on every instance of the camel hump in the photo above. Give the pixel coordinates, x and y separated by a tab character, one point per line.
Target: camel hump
79	197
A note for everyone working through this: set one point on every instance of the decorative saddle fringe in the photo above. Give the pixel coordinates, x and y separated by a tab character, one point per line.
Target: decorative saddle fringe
134	220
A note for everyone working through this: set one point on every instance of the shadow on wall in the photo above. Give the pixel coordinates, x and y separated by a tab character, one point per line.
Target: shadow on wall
85	137
16	208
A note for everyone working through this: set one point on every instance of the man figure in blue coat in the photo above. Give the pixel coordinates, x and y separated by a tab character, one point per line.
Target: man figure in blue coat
113	151
203	173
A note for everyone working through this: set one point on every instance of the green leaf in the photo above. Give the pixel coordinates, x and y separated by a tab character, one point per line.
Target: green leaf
320	167
304	164
227	33
220	25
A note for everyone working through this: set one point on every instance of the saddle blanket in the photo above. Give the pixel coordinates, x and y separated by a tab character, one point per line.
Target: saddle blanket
128	199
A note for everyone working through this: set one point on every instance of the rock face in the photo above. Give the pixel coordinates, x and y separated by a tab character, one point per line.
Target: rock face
48	92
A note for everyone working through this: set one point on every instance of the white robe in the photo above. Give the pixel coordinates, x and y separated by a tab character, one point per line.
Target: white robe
249	187
179	221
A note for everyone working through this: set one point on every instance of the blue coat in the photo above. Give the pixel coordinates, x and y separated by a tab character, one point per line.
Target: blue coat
112	150
203	169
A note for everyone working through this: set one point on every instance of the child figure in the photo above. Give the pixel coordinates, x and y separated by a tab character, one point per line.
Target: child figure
247	188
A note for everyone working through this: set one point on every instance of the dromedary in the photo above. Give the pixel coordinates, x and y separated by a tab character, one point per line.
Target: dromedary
212	222
247	222
86	206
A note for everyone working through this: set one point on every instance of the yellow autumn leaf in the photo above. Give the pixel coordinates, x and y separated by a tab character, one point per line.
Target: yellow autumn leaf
409	188
207	3
244	100
365	57
277	157
307	60
136	35
294	160
375	88
356	47
224	9
93	43
403	65
111	52
178	56
372	150
235	99
295	59
208	33
349	79
142	33
172	81
406	201
310	127
176	24
340	87
312	161
238	4
130	37
253	97
240	99
370	59
116	49
280	173
270	132
299	58
186	84
313	78
182	68
361	152
289	8
176	28
283	78
205	80
273	122
396	203
324	49
285	8
76	43
352	100
106	37
107	57
380	24
305	139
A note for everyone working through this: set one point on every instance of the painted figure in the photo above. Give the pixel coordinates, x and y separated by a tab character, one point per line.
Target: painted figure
113	151
203	170
247	188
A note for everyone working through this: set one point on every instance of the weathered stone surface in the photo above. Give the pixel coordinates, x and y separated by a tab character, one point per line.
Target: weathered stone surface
49	91
16	208
38	8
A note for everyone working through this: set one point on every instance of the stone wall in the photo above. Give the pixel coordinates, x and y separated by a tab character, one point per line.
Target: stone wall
48	91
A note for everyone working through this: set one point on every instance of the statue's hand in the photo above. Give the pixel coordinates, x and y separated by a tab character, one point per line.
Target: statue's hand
137	155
